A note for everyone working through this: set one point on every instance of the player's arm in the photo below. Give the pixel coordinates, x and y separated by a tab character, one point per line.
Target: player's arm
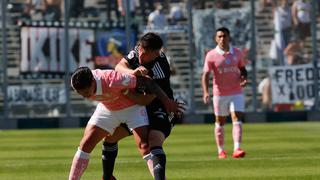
145	82
124	67
205	87
243	76
142	99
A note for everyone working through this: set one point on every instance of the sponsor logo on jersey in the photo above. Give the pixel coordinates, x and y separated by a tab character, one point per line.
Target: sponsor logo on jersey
131	55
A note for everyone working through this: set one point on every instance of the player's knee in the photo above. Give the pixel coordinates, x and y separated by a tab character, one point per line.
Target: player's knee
237	117
86	145
144	148
221	122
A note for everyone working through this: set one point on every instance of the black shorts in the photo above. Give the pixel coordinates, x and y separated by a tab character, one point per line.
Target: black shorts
124	125
159	119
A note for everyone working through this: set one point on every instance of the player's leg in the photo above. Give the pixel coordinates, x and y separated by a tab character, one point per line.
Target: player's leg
220	104
138	117
140	135
157	162
92	135
160	129
219	135
101	123
110	150
237	109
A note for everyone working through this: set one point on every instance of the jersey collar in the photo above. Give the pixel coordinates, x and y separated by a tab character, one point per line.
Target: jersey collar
222	52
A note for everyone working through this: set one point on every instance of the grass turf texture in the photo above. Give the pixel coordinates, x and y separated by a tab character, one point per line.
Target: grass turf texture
281	151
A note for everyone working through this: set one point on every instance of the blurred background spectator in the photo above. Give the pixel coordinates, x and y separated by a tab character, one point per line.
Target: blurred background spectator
52	10
264	88
157	19
282	29
301	16
176	13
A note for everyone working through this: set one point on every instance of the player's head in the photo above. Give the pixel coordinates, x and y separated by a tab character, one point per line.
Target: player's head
222	37
82	81
149	48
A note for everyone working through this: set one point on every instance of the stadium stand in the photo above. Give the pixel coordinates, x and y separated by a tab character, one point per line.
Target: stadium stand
177	50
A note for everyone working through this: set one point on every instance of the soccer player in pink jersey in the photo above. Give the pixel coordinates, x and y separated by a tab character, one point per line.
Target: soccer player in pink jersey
111	89
229	75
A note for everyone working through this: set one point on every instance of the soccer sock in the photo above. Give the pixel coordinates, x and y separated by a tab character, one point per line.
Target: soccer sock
149	163
159	162
219	135
237	134
79	164
109	154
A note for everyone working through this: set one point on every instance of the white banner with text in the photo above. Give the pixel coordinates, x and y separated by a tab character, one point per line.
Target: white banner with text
293	83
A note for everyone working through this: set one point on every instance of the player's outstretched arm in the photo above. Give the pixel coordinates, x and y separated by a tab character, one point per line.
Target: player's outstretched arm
123	66
142	99
170	105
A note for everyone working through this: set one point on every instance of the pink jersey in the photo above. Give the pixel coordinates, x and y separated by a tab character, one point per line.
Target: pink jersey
225	67
110	84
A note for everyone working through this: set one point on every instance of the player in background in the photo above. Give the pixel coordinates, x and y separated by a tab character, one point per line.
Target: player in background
110	88
229	75
148	59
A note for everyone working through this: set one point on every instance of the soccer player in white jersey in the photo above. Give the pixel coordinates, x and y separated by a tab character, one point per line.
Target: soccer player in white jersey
111	88
229	75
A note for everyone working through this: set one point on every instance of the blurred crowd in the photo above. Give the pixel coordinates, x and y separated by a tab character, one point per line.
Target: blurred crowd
153	12
292	26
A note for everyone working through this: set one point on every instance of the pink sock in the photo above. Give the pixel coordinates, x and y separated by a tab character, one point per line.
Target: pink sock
219	135
237	134
79	164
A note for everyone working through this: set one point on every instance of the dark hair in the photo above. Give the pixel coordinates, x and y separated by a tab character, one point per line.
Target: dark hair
224	29
151	41
81	78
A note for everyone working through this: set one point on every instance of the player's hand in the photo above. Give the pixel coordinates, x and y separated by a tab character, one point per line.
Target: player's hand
175	107
140	71
206	98
243	81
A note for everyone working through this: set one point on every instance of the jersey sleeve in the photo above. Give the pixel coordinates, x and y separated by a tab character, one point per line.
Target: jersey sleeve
118	80
206	66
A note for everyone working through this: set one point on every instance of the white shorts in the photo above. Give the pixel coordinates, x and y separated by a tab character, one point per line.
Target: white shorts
134	116
223	105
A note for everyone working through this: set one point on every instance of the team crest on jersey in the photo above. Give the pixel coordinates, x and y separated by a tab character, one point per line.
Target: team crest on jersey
131	55
228	61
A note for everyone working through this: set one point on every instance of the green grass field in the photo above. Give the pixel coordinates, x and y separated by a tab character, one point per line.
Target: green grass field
279	151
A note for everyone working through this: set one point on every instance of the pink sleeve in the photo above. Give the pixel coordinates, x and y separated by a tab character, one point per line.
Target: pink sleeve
121	80
206	67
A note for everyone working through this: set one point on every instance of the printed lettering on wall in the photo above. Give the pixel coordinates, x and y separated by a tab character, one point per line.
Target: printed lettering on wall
36	94
43	49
